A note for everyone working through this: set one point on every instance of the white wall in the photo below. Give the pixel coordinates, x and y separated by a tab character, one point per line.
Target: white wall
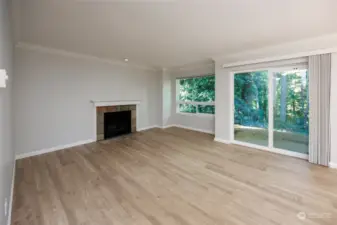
198	122
52	94
333	109
166	97
6	150
222	103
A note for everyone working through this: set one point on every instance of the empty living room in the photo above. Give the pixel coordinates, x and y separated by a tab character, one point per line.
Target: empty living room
165	112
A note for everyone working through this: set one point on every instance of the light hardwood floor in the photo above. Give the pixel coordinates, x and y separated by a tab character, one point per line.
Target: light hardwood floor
171	176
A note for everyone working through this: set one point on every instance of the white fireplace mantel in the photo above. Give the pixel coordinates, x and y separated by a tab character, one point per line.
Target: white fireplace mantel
112	103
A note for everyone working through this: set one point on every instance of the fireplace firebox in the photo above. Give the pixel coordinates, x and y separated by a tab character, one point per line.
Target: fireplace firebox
109	124
117	123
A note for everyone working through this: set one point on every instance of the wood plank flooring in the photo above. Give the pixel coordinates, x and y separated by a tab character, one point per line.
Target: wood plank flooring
171	176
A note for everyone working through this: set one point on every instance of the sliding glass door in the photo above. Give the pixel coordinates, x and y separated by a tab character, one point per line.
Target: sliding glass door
291	110
251	107
271	109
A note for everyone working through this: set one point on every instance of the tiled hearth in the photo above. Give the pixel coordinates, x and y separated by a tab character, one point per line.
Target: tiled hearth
100	110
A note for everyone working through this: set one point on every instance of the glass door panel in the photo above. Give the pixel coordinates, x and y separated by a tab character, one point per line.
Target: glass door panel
291	110
251	107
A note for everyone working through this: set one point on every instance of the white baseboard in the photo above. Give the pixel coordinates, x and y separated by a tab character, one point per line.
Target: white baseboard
191	128
176	125
333	165
10	206
60	147
167	126
222	140
187	128
148	128
53	149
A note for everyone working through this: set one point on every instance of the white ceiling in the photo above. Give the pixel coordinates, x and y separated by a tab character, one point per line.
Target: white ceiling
166	33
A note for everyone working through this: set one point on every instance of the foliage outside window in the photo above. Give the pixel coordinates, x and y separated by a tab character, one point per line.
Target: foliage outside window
251	99
196	95
291	106
291	100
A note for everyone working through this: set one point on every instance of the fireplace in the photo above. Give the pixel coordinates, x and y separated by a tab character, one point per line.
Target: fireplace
112	121
117	123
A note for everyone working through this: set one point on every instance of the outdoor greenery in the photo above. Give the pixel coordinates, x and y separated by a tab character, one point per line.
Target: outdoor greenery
197	89
251	99
291	105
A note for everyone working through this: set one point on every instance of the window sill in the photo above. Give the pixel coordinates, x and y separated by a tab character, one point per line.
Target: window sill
202	115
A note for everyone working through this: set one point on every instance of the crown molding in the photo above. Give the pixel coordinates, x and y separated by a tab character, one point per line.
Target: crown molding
61	52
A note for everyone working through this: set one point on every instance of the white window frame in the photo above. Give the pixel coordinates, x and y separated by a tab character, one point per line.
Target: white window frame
196	104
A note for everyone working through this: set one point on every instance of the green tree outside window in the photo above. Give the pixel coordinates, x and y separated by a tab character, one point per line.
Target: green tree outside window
195	90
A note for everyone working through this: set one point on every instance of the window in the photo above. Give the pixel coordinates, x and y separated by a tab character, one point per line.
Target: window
196	95
271	109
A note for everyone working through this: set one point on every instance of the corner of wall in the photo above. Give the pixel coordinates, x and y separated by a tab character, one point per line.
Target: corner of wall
199	123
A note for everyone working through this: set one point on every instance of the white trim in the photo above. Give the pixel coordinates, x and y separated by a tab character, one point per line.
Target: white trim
195	103
202	115
333	165
113	103
273	150
222	140
187	128
283	64
10	206
148	128
61	147
273	69
53	149
167	126
270	109
61	52
192	128
231	106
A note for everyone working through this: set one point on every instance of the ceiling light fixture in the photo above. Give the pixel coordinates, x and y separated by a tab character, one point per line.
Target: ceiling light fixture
126	60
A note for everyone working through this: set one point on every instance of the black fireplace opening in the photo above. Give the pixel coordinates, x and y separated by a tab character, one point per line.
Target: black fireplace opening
117	123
